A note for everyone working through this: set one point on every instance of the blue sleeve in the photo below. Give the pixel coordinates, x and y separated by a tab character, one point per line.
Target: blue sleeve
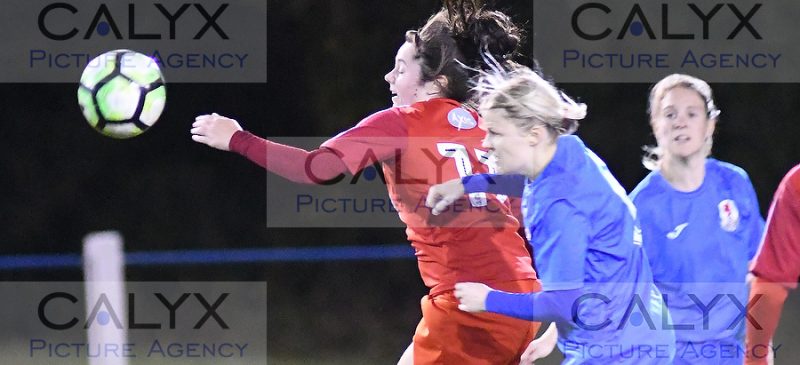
755	227
511	185
560	243
555	306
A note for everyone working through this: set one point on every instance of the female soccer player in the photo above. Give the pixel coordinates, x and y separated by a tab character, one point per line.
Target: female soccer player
776	268
596	283
700	224
426	138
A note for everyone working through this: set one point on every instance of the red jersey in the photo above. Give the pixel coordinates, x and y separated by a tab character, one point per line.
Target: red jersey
425	144
778	259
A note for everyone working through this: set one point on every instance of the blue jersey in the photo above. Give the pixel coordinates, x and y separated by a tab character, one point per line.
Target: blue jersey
585	236
699	244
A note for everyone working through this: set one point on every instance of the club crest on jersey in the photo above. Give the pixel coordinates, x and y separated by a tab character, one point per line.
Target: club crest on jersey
728	215
461	119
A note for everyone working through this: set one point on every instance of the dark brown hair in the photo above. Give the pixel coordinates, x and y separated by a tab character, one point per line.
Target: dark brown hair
455	40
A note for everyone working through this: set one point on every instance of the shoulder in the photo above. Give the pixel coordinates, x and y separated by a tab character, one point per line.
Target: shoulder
567	168
726	170
789	190
384	123
572	144
447	111
646	188
393	114
574	173
728	175
437	105
382	128
792	180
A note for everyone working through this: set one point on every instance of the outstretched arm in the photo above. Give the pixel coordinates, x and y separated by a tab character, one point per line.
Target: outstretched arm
377	138
295	164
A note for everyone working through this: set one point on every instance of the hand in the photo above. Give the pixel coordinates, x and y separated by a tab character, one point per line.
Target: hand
214	130
540	347
472	296
440	196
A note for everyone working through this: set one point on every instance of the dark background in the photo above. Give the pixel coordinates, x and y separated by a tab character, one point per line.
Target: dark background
326	61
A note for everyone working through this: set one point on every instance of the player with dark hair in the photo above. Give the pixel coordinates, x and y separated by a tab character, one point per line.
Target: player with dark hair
434	137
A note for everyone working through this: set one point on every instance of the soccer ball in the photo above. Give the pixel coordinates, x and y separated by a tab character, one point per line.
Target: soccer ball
122	93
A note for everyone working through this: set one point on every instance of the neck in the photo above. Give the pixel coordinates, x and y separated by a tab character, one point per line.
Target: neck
684	174
426	98
541	158
427	93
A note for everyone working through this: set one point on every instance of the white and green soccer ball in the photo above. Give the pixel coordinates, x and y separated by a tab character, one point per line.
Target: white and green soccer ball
122	93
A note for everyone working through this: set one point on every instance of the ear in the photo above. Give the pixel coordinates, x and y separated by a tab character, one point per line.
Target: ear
653	124
536	135
712	126
435	87
654	128
442	82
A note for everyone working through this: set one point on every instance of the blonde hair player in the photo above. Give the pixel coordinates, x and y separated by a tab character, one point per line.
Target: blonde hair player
581	225
700	222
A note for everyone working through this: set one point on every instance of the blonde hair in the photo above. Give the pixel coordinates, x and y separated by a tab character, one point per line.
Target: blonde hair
529	100
653	154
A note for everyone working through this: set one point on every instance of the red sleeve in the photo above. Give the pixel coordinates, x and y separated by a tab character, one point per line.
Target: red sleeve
379	137
778	259
765	306
295	164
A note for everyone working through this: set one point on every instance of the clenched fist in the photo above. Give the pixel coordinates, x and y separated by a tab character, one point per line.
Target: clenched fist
472	296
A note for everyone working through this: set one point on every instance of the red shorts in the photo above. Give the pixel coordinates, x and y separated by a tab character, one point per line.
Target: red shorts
447	335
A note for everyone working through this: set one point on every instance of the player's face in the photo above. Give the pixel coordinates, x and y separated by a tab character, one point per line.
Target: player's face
681	124
509	144
405	78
